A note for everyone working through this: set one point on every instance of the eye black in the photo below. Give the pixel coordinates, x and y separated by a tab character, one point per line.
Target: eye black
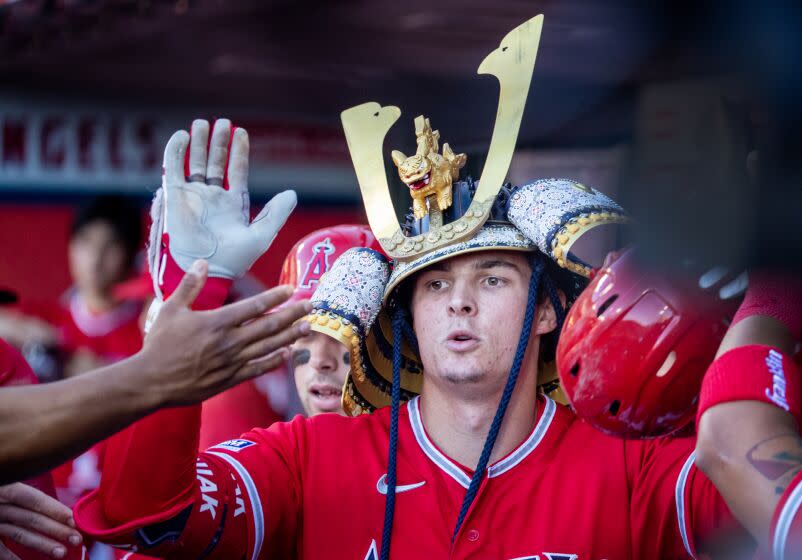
300	357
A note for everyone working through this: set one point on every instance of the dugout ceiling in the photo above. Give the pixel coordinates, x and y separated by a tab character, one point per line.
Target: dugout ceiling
309	60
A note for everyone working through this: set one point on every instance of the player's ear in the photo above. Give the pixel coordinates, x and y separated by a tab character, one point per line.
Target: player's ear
546	316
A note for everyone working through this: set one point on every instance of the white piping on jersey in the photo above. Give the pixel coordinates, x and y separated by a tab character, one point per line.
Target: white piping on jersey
679	498
784	522
529	445
100	324
453	470
430	450
253	496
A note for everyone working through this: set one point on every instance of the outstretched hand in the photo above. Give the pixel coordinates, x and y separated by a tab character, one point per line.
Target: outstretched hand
35	521
194	355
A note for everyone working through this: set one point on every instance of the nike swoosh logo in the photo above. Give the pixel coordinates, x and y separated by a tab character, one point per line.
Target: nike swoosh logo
381	486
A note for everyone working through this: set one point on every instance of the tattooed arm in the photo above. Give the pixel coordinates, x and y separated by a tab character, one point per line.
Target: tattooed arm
751	450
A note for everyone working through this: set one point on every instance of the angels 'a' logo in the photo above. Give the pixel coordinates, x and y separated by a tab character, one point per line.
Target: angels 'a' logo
318	264
373	553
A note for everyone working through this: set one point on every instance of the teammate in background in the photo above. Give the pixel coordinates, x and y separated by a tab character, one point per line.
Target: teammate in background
93	327
90	326
320	363
104	239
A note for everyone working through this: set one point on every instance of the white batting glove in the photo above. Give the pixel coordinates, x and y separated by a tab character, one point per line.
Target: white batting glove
202	211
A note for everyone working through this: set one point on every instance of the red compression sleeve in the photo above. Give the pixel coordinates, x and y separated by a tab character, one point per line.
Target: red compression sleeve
148	473
775	295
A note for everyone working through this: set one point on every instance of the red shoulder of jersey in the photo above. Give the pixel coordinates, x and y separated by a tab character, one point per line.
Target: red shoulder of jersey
670	491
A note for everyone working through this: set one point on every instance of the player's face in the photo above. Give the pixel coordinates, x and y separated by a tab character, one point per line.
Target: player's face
320	366
97	258
467	314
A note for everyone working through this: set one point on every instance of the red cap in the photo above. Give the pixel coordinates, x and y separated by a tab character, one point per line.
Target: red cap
635	347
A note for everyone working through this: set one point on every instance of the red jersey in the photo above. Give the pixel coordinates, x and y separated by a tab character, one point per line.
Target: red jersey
237	410
111	336
315	488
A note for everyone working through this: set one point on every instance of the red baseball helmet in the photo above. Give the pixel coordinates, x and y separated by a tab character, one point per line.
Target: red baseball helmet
634	348
313	255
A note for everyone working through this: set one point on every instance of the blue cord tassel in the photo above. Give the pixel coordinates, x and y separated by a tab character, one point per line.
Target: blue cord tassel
398	322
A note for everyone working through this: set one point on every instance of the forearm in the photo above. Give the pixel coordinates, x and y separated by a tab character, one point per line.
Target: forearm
41	426
752	450
758	329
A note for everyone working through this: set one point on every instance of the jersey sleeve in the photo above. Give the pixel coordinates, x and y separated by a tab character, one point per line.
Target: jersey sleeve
267	468
160	497
676	512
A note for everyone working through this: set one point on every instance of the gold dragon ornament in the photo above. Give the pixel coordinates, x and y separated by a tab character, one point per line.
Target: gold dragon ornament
429	174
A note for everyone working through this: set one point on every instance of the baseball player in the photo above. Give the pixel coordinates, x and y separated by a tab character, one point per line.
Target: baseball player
320	363
477	463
